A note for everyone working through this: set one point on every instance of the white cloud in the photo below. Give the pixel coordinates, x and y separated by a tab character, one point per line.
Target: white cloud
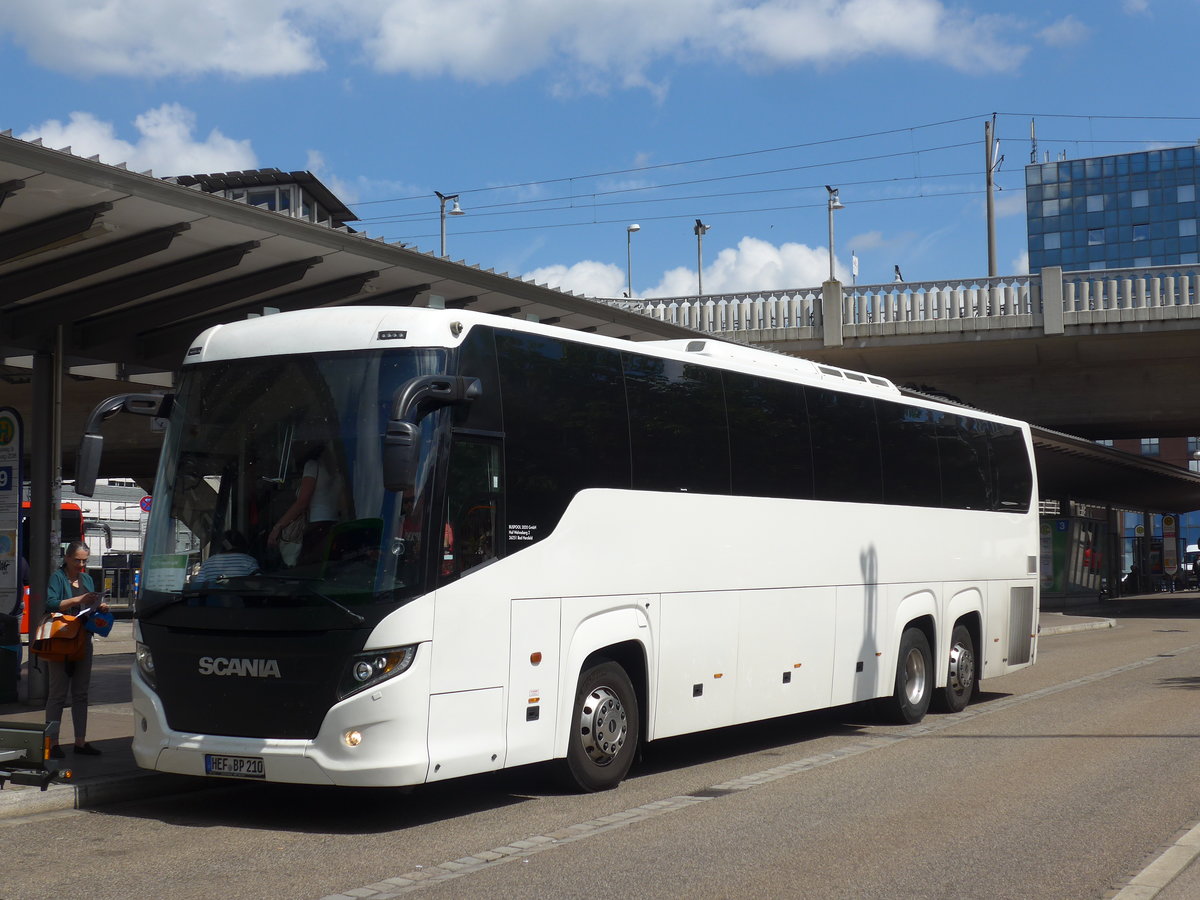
581	44
1020	264
166	143
590	278
796	31
757	265
1136	7
1009	203
166	37
753	265
1065	32
868	240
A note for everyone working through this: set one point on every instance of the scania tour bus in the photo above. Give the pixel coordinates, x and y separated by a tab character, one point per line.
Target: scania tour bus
541	544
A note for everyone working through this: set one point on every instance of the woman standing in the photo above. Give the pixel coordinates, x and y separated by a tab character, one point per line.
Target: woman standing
71	589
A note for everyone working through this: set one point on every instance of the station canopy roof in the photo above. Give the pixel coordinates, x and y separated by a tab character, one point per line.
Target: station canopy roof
132	267
1078	469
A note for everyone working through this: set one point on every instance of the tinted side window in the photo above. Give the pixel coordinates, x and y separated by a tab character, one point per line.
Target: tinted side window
768	438
565	427
908	438
678	433
845	444
1011	473
963	450
477	359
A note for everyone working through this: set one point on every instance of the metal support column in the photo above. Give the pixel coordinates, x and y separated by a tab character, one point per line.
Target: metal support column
40	492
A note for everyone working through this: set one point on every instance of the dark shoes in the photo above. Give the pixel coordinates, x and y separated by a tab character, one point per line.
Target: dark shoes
86	750
56	752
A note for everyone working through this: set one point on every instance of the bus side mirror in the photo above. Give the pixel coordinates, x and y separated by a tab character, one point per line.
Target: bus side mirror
91	444
400	456
412	401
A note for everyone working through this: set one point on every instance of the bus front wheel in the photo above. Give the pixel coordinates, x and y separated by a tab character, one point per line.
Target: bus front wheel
914	679
604	729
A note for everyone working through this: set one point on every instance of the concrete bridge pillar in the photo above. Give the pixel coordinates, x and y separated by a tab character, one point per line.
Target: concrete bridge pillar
831	313
1052	300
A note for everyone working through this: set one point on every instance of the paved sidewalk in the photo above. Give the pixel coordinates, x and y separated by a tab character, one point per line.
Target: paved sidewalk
114	776
100	779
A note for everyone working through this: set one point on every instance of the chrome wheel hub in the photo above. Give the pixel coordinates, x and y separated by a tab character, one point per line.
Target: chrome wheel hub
914	676
962	668
603	725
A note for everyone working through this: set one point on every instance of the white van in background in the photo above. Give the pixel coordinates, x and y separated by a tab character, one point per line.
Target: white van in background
1191	576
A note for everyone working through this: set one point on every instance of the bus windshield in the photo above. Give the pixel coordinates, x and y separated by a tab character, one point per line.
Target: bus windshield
270	493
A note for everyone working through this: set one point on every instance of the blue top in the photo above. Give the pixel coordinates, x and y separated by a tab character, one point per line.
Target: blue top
60	588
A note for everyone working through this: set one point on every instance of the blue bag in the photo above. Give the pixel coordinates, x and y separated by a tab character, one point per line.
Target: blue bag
100	623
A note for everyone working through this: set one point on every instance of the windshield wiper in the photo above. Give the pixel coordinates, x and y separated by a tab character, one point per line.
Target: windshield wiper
309	587
222	585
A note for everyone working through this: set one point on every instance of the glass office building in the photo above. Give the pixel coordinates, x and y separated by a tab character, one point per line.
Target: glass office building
1114	212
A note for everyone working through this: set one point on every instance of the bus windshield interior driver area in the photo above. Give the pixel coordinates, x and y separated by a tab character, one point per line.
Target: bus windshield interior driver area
391	546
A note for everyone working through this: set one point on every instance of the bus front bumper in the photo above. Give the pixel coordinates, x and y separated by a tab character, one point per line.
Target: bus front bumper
376	738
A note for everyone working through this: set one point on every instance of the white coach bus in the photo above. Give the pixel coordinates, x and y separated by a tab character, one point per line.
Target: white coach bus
531	544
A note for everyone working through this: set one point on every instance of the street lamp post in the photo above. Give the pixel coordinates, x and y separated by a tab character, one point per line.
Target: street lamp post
700	230
629	259
456	210
834	203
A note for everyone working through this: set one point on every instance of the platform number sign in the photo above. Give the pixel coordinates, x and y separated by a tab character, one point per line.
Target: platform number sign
6	478
1170	545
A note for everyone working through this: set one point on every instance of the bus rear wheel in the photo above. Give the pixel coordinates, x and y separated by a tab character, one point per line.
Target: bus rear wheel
960	679
605	729
914	679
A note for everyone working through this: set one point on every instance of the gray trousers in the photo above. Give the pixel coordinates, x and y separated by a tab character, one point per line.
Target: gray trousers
76	684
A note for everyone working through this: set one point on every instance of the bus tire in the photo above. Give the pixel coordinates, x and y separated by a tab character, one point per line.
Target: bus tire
914	679
605	729
960	678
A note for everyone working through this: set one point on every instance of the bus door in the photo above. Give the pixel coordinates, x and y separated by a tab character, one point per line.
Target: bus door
474	506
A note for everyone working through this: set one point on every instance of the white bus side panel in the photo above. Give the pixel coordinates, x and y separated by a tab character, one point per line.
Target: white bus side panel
740	656
466	733
535	688
786	651
697	662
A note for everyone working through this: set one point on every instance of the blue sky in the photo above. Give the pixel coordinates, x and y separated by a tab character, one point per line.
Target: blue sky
560	122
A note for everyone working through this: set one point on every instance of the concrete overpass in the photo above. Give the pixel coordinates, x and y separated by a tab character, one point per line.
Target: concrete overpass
1100	354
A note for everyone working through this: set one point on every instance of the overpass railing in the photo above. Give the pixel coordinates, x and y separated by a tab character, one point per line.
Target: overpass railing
1048	302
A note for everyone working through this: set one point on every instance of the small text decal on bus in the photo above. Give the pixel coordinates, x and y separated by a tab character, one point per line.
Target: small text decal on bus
247	668
521	532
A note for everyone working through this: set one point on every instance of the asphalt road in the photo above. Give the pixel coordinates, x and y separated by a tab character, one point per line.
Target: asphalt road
1065	780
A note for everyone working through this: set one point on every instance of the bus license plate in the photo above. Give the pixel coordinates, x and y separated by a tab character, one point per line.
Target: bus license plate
234	766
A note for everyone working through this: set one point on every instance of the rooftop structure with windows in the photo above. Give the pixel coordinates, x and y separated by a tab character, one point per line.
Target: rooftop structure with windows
297	194
1111	212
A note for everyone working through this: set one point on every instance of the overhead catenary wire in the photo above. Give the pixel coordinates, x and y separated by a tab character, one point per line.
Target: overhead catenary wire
655	166
652	218
590	200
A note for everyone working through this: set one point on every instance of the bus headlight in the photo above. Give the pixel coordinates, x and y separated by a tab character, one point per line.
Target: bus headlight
145	664
373	666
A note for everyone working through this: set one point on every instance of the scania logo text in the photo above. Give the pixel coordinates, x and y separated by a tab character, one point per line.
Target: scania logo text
245	668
